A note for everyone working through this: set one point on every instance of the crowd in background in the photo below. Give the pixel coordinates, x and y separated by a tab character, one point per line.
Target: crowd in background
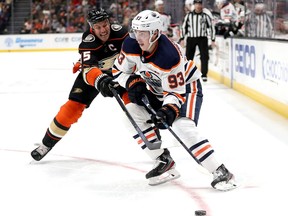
57	16
64	16
68	16
5	13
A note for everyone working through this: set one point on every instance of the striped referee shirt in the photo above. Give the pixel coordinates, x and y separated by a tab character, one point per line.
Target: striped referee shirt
198	24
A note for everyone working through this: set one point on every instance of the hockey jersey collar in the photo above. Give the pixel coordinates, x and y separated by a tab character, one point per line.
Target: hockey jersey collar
145	56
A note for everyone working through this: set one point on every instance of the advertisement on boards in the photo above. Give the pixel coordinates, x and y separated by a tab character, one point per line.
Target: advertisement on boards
46	42
262	66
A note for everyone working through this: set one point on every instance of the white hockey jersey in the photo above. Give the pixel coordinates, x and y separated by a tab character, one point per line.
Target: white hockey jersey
166	20
166	70
228	13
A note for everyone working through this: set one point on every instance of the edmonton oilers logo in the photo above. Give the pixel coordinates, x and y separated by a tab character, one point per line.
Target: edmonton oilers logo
151	78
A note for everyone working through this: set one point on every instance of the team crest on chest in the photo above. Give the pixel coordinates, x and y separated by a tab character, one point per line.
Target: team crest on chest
151	78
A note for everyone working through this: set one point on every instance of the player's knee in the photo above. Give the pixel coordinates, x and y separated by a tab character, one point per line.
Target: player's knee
185	128
70	112
125	98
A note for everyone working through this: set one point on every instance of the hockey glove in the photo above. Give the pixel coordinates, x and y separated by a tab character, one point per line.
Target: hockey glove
76	67
136	88
167	113
103	84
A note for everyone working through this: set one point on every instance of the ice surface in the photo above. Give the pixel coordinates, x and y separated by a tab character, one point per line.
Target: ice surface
97	169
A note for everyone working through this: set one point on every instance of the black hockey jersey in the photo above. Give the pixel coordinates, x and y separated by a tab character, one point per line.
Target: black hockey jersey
95	53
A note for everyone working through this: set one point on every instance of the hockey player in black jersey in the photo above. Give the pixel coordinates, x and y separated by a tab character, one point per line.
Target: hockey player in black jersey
100	46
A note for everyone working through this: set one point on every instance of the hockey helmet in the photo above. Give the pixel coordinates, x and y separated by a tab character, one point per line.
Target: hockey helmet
95	16
147	20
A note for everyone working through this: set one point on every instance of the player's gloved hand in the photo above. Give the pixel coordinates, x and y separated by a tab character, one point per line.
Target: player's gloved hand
167	113
76	67
136	87
104	83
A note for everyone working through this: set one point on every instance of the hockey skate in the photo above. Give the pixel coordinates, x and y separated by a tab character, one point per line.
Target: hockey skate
163	170
38	153
223	180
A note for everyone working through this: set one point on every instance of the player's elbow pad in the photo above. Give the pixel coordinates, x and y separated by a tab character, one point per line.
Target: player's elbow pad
91	74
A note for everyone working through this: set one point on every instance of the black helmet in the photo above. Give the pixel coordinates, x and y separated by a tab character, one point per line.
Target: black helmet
95	16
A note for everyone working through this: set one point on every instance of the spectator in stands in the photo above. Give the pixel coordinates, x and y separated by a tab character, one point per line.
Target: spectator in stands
5	13
239	6
27	27
135	11
37	26
240	10
76	2
46	24
258	22
36	10
54	23
61	28
189	6
127	17
46	10
228	24
114	13
165	18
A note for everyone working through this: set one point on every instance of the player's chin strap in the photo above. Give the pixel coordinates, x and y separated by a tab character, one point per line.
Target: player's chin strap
148	106
151	36
151	146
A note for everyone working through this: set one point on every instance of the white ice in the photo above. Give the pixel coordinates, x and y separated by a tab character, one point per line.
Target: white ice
97	169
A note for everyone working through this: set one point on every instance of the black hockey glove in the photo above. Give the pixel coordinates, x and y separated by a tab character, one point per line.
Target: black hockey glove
103	84
136	88
167	113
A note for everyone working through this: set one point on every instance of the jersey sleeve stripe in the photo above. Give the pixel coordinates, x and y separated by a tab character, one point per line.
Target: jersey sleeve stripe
190	70
91	48
180	98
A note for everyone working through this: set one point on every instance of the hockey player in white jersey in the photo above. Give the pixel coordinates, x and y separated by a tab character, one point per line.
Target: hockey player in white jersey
152	65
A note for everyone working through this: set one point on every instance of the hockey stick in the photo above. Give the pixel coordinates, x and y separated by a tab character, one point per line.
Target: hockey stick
151	146
148	106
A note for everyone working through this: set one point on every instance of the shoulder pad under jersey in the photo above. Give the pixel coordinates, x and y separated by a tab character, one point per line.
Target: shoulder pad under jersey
118	32
167	55
89	41
130	46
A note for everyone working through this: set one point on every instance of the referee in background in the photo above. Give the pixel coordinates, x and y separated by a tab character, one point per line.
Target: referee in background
197	26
